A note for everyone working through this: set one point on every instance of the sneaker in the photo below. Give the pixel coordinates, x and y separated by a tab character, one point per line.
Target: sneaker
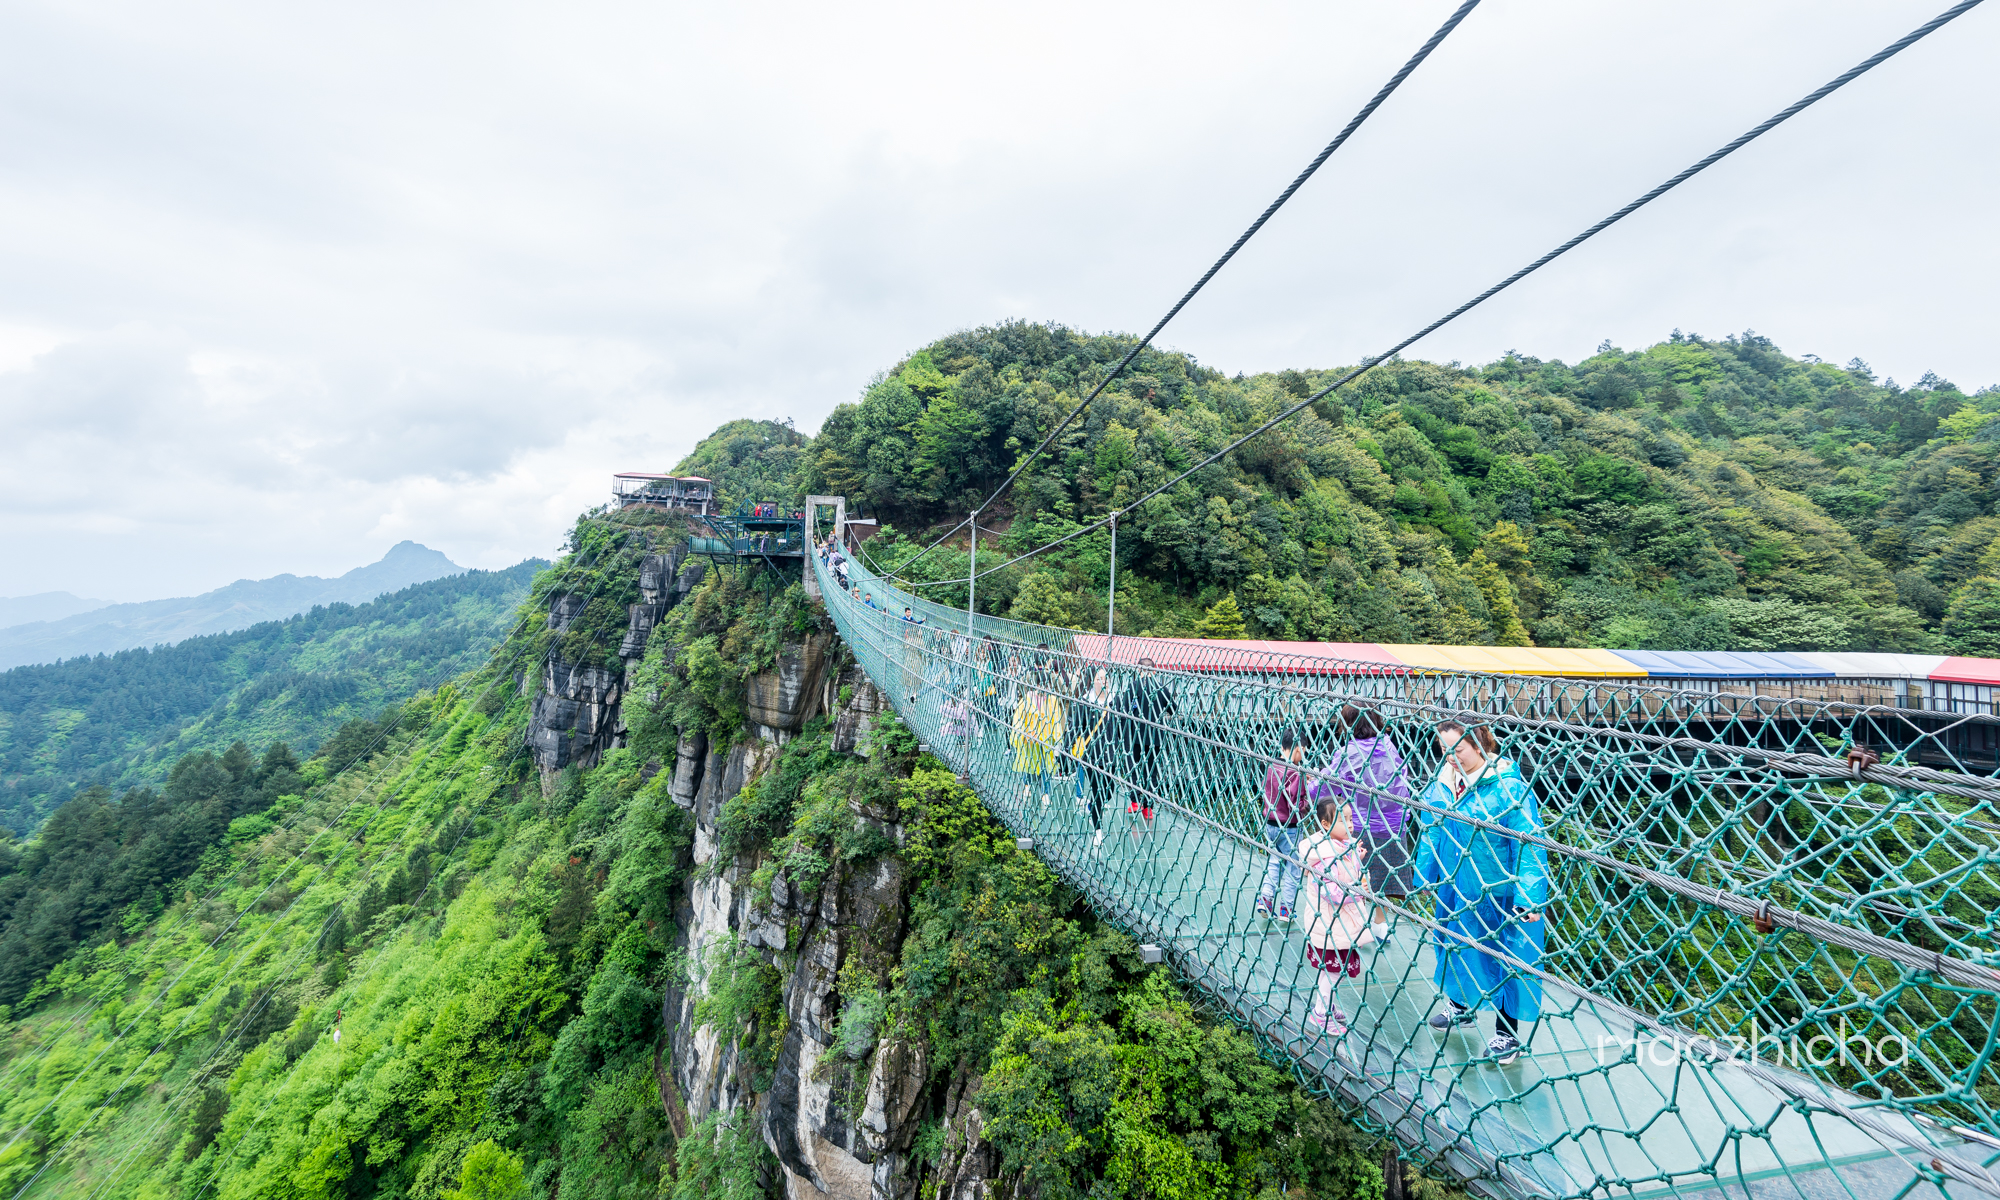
1264	907
1145	814
1097	839
1334	1023
1132	807
1284	912
1451	1015
1045	799
1504	1048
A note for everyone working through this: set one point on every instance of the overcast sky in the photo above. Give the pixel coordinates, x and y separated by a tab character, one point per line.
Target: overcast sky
281	285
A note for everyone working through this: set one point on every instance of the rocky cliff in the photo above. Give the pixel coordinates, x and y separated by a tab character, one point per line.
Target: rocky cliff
839	1113
576	715
830	1138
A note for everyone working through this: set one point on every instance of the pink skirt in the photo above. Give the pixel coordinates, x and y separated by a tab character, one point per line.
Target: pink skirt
1334	960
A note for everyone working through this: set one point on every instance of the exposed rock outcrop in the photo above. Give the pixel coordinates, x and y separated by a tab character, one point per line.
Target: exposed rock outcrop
841	1119
784	698
839	1109
577	715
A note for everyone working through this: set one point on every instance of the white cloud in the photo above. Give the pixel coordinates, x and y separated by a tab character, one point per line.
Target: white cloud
281	286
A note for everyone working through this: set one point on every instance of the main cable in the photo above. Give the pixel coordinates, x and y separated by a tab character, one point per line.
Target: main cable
1825	90
1367	110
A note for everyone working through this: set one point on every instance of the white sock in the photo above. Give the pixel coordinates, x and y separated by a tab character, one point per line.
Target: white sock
1323	998
1381	930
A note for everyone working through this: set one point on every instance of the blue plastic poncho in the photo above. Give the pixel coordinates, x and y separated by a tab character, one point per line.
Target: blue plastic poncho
1481	877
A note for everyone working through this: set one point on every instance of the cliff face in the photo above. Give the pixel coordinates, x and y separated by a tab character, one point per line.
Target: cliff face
840	1114
576	716
830	1138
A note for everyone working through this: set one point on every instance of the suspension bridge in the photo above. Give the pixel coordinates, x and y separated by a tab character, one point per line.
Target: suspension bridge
1770	966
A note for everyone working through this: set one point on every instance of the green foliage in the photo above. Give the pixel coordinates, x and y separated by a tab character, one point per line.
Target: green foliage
124	720
490	1173
1633	489
1972	625
1224	619
724	1158
1163	1104
743	1001
96	856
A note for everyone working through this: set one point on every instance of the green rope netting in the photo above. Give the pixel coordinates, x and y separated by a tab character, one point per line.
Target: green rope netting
1767	970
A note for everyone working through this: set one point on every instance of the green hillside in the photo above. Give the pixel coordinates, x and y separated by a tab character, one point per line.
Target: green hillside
495	949
119	720
1697	494
434	977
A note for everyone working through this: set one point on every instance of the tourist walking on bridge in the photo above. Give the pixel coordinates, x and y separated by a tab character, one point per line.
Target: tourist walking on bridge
1491	889
1140	711
1367	774
1092	750
1336	909
1284	805
1038	731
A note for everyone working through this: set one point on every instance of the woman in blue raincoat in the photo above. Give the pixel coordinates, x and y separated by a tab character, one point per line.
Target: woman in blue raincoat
1491	889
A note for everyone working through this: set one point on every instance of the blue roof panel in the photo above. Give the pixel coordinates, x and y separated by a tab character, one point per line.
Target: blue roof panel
1722	664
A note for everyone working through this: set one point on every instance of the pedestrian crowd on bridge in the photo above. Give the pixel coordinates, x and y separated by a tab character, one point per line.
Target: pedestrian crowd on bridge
1350	835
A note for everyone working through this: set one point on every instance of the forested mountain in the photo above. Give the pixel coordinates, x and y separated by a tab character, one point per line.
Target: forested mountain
122	719
438	976
442	975
104	629
44	606
1701	493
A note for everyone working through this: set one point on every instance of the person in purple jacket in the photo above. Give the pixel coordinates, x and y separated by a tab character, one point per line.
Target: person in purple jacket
1368	774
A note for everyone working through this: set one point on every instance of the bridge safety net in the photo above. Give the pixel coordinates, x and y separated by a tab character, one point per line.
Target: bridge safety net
1737	960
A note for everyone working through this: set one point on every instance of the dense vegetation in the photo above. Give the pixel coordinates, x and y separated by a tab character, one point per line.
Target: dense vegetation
116	720
493	953
438	975
1698	494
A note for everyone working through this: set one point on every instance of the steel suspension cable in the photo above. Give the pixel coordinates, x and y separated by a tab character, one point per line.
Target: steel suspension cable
1786	114
1367	110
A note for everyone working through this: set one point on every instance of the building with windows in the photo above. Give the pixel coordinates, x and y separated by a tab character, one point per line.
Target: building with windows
662	491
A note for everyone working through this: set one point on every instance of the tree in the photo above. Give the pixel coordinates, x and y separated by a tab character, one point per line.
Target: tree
1042	601
1972	624
1502	612
1222	620
489	1173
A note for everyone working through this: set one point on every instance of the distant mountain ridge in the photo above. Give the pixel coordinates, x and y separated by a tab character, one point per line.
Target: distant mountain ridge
240	605
44	606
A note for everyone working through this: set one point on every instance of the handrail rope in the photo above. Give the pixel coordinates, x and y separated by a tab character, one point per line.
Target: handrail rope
1955	969
1367	110
119	1036
1853	73
1903	778
1987	980
430	681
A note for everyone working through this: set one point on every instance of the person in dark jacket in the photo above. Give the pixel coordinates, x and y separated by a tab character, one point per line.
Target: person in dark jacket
1284	804
1141	709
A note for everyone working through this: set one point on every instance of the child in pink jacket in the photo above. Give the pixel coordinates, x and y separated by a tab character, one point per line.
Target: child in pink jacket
1336	908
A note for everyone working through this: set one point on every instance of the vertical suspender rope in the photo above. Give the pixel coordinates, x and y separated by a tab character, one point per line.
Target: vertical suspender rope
1111	593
